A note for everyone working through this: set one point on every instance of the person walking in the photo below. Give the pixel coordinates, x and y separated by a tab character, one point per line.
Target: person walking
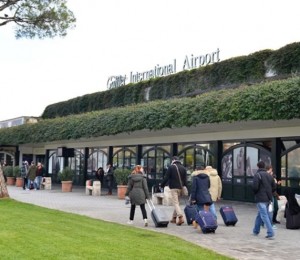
269	169
263	188
137	191
215	189
200	190
31	174
40	173
176	178
24	171
109	178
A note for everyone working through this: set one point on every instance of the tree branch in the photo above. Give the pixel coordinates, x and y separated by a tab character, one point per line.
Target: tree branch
7	4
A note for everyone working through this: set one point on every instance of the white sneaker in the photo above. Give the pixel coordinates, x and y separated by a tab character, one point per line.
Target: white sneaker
146	222
130	222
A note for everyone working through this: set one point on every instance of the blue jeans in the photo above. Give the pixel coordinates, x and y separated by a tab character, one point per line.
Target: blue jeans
37	182
212	210
263	217
28	183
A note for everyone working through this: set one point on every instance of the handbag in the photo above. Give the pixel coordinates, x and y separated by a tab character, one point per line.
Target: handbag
184	190
270	207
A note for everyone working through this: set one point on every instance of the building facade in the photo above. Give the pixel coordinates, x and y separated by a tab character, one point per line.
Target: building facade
232	148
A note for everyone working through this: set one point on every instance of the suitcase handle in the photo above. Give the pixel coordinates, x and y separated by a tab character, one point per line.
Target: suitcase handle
150	204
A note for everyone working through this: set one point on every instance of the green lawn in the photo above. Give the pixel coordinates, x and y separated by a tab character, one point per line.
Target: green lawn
32	232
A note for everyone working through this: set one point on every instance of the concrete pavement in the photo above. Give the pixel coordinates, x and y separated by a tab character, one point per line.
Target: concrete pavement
237	242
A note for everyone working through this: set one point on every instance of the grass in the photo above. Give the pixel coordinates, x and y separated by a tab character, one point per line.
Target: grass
32	232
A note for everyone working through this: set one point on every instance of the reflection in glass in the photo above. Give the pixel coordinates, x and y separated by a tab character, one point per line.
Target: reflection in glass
251	161
293	162
227	166
239	162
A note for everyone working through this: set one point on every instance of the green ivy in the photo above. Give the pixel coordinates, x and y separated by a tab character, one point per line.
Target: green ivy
273	100
232	72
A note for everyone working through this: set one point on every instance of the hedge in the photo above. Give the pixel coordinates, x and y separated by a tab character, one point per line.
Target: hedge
273	100
232	72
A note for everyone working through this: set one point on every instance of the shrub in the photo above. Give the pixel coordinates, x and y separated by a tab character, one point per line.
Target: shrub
121	175
66	174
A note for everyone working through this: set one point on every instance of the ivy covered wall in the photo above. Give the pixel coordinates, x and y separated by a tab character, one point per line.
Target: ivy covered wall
230	73
274	100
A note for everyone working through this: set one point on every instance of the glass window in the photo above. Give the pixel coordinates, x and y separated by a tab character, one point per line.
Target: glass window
293	170
289	144
156	161
55	165
283	170
7	159
227	166
196	156
97	158
239	161
242	160
251	161
124	157
226	146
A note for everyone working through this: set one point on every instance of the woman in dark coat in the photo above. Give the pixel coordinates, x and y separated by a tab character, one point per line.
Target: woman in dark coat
138	192
200	190
100	175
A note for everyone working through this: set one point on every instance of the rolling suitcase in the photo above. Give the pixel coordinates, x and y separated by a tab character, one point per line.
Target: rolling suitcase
292	221
158	216
228	215
190	212
206	221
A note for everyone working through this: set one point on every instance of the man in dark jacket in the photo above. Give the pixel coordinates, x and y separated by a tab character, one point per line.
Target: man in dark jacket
176	178
109	178
263	188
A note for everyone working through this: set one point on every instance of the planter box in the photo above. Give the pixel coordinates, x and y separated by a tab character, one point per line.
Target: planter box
11	181
19	182
121	191
66	186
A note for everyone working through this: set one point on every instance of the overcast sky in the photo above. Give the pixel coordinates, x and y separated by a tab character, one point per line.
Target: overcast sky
115	37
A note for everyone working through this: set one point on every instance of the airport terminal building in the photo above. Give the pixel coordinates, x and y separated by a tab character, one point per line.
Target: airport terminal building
232	147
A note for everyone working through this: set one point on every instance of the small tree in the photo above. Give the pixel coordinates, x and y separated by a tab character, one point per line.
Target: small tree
67	174
37	18
121	175
8	171
17	171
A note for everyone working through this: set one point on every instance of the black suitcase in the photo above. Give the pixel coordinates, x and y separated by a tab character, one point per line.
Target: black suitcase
206	221
292	221
190	212
228	215
158	216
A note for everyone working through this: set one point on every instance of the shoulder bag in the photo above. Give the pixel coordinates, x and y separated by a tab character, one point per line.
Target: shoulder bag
184	190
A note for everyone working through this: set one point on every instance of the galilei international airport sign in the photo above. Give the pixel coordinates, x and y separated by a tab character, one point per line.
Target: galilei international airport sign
190	62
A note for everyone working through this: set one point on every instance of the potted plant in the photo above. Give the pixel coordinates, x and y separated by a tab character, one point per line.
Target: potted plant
121	177
66	177
9	173
17	174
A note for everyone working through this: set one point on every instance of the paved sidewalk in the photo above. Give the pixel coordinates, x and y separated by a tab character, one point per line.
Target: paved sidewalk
237	242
